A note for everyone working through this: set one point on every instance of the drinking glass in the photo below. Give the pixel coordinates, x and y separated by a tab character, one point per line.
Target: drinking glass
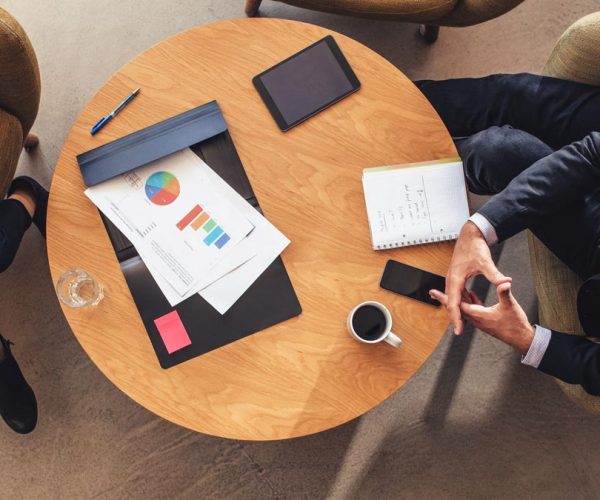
77	288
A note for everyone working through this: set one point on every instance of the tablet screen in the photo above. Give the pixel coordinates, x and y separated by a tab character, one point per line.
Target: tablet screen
306	83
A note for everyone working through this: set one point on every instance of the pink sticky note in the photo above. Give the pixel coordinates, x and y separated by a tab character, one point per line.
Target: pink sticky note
172	331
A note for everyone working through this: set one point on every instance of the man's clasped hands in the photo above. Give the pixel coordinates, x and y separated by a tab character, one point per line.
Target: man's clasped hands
506	320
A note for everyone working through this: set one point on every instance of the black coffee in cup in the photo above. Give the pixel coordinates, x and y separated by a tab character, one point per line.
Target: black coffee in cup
369	322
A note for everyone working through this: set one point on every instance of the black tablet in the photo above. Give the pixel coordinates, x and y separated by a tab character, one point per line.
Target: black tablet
306	83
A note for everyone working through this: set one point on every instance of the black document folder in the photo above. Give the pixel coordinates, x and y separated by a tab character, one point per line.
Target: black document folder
271	298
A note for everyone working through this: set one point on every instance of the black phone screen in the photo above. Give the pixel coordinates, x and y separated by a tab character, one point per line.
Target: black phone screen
306	83
411	282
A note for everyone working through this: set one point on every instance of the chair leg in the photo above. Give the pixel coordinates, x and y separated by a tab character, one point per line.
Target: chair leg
31	142
251	7
429	32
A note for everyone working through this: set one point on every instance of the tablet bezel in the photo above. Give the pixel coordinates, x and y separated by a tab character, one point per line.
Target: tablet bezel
272	106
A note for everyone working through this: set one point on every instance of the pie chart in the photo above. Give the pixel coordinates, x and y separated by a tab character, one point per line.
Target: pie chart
162	188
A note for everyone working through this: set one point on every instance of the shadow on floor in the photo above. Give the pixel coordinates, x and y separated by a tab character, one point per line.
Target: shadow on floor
446	383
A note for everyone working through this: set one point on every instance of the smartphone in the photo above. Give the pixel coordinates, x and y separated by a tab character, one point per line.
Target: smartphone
306	83
411	282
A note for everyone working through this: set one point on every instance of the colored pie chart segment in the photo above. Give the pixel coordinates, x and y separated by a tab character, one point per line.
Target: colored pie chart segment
162	188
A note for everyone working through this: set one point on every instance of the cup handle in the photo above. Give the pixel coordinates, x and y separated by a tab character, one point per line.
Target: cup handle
393	339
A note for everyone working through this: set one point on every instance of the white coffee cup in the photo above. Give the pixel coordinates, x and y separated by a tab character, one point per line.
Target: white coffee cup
386	333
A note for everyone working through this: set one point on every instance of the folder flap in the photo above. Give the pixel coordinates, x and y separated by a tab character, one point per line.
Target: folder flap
151	143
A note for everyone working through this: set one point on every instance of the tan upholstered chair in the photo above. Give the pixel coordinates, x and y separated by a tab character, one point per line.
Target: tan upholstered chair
576	57
19	95
430	13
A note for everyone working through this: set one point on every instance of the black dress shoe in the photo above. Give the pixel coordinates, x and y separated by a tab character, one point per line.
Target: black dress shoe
41	199
18	405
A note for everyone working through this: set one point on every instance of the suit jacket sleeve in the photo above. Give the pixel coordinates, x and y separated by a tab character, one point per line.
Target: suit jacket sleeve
546	187
573	359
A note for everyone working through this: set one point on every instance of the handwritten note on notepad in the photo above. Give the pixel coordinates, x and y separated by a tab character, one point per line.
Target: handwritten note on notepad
415	203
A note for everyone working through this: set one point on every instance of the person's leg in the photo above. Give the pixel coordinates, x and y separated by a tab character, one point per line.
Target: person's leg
18	406
15	219
16	214
493	157
27	201
556	111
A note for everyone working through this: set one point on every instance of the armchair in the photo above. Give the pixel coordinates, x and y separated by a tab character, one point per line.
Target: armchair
575	57
430	13
19	95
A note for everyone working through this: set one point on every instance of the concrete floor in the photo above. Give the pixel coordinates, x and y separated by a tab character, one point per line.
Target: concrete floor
473	423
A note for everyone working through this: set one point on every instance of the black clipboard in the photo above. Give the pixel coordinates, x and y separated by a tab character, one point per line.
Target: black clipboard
270	300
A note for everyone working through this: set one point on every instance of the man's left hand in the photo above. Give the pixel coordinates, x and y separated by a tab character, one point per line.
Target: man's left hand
506	320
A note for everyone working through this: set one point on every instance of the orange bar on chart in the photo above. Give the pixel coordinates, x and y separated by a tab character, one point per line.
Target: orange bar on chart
197	224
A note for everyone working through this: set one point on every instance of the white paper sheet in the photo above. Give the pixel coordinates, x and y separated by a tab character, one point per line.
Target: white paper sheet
177	219
421	204
266	240
264	244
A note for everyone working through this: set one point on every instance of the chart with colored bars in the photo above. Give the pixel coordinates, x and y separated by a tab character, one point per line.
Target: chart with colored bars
198	219
162	188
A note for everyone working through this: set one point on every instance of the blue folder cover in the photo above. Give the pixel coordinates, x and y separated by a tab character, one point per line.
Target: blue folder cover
270	300
151	143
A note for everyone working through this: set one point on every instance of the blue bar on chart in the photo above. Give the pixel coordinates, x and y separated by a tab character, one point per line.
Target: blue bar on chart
220	243
213	235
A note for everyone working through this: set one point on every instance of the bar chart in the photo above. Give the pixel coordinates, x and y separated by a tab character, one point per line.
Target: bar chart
198	219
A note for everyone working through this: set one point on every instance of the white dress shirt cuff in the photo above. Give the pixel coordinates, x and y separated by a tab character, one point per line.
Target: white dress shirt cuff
538	347
488	231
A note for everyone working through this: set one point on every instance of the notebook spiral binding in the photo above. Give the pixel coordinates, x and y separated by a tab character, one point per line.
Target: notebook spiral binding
418	241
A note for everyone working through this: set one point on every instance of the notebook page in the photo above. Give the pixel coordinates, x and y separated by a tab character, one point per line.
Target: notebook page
411	206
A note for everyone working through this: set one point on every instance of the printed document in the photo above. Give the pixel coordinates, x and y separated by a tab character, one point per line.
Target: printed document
180	223
260	248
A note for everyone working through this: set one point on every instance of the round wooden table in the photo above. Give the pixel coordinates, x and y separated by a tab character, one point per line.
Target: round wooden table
306	374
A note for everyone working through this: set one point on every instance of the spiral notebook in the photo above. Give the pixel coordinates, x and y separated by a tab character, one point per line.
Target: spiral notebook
415	203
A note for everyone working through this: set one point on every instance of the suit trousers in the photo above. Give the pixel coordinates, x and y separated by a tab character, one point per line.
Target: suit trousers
14	221
502	124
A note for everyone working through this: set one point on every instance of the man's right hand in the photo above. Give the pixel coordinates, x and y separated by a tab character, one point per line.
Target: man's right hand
471	257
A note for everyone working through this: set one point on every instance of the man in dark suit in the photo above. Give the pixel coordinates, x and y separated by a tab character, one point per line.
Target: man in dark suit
534	144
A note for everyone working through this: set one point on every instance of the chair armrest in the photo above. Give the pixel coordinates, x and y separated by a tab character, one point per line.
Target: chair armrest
11	145
556	287
574	58
421	11
19	72
576	54
470	12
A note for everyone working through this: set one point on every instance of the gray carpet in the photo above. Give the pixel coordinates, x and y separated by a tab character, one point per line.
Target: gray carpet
473	422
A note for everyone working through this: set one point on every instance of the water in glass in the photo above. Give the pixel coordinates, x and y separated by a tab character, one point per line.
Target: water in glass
76	288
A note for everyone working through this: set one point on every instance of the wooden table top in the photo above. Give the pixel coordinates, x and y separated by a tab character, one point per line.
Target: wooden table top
306	374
